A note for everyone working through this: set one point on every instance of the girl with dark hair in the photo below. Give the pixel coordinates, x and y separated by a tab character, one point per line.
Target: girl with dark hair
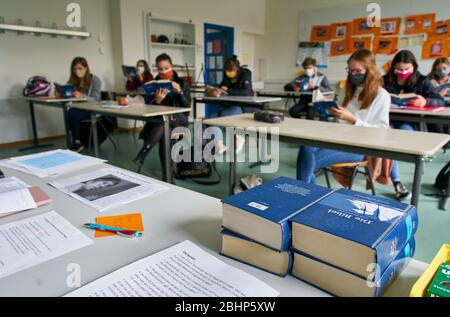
237	82
403	78
153	132
143	76
87	86
365	104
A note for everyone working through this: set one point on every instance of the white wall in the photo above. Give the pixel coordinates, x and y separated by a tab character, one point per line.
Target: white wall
120	24
22	56
283	32
245	16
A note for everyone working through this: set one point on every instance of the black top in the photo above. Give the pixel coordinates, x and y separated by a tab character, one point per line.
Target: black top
240	87
181	100
422	87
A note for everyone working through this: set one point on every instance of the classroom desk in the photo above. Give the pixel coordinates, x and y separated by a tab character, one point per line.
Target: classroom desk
167	221
49	102
442	117
124	93
147	113
234	100
412	147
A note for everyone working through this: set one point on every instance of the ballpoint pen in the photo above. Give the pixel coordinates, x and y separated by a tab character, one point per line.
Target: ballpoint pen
127	233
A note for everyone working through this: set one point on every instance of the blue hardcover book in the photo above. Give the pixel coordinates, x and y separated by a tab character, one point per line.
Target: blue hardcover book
245	250
442	87
339	282
262	213
323	107
354	230
66	91
402	100
153	86
129	71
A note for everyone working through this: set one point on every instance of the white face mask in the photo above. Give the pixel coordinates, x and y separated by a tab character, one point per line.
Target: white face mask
141	70
80	73
310	72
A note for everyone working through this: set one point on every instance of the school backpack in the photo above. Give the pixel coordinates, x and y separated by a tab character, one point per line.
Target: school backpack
442	178
37	86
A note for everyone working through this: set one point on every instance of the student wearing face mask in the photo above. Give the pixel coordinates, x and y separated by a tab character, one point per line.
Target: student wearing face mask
309	79
366	104
404	77
87	86
143	76
440	75
237	82
153	132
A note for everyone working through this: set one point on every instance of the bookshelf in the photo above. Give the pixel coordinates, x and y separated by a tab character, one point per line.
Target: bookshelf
181	46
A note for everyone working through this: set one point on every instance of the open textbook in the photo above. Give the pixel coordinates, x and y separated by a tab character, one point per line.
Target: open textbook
51	164
184	270
35	240
108	188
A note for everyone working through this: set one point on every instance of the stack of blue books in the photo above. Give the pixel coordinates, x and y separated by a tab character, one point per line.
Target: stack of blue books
344	242
353	244
256	223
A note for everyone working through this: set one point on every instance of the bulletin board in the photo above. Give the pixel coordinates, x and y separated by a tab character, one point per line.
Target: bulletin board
416	25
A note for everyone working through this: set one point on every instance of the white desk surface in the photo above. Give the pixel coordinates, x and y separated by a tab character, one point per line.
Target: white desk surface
145	111
127	92
242	99
54	99
167	221
405	142
444	113
292	93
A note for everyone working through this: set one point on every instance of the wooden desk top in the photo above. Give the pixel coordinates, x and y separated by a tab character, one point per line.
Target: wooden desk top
241	99
144	111
398	141
444	113
55	100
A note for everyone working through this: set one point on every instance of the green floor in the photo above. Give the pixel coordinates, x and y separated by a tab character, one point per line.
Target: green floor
434	224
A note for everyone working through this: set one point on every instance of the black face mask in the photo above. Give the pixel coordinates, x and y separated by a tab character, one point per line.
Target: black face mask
357	79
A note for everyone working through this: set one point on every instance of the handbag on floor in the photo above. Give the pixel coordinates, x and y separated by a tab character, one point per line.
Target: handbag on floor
195	171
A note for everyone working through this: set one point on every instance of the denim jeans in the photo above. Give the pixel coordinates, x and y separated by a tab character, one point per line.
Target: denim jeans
75	118
405	126
310	159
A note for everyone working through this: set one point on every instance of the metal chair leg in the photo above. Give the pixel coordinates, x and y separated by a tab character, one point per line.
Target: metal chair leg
327	177
369	176
108	135
352	179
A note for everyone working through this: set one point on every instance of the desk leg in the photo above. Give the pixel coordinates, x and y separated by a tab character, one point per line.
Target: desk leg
232	168
263	159
66	127
418	174
445	201
167	150
94	133
34	131
195	108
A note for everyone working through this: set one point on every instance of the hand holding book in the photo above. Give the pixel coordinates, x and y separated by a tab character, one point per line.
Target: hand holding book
342	113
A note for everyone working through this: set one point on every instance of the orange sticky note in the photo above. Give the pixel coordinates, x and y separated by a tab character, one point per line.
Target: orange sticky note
131	221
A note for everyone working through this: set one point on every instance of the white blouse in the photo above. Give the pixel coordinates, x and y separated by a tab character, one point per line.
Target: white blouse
376	115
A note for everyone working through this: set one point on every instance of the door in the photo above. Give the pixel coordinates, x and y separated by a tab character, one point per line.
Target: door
219	46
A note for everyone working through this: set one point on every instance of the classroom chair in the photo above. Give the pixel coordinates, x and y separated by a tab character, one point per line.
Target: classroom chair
353	170
105	96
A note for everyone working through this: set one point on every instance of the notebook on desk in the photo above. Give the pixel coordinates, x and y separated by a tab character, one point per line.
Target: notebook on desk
424	109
